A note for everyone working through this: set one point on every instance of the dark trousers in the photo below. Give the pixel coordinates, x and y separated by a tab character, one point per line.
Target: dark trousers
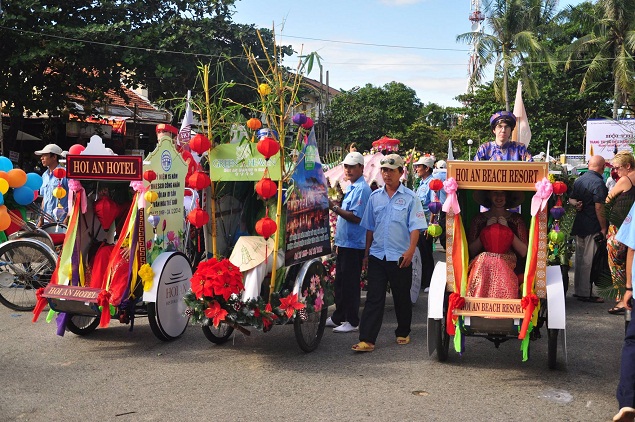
427	259
348	269
626	387
380	273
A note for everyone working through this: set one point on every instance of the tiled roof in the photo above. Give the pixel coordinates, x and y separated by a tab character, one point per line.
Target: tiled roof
134	100
312	83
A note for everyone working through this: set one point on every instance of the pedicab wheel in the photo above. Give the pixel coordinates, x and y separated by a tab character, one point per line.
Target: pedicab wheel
552	348
441	332
166	307
25	266
218	335
309	326
82	325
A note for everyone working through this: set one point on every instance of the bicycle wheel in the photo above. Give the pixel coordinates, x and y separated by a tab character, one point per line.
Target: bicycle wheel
25	266
82	325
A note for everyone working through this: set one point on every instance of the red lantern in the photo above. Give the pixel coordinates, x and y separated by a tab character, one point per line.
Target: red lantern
149	176
59	172
559	188
308	124
266	187
254	124
198	217
268	147
265	227
436	185
199	180
199	144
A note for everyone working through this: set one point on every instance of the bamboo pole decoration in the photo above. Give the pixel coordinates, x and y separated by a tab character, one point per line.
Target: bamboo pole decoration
209	154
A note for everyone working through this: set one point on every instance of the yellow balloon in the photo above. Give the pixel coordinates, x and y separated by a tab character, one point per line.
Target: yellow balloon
151	196
59	192
16	178
4	186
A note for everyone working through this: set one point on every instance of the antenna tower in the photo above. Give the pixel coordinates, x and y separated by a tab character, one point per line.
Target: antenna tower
477	18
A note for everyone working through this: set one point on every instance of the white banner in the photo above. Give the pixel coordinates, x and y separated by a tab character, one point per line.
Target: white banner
603	136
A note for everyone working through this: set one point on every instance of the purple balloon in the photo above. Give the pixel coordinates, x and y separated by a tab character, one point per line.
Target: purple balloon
557	212
434	207
299	119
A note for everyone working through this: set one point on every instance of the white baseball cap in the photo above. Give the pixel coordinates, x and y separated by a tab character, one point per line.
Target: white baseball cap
425	161
353	158
51	149
441	164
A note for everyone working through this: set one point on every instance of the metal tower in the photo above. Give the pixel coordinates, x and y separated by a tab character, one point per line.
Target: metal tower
476	17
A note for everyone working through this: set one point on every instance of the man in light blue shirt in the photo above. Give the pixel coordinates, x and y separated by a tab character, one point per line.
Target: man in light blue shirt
50	156
392	219
350	241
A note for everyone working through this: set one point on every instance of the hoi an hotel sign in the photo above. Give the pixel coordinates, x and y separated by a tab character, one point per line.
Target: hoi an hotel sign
104	167
491	175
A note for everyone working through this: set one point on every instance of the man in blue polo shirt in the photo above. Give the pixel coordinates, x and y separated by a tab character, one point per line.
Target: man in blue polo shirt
350	241
50	157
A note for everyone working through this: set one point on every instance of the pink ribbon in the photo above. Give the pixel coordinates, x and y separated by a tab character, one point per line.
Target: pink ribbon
451	202
75	187
137	185
544	189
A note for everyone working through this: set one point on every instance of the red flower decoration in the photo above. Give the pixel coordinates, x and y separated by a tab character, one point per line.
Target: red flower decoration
227	279
215	313
290	304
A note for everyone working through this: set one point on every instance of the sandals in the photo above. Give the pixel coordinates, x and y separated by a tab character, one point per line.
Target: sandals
362	346
403	340
617	310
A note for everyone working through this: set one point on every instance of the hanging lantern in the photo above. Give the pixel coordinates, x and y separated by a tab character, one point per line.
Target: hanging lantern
308	124
266	188
264	89
198	217
435	207
559	188
265	227
299	119
268	147
150	175
557	212
556	237
151	196
434	230
436	185
59	192
199	144
154	220
59	172
254	124
59	213
199	180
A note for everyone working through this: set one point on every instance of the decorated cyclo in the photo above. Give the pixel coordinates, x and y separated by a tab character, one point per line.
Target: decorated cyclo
476	291
123	251
266	268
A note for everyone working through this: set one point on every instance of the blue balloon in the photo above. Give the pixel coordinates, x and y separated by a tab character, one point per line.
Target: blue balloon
5	164
23	195
33	181
2	199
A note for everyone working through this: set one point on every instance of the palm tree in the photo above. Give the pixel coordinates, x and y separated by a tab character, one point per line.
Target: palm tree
611	45
514	38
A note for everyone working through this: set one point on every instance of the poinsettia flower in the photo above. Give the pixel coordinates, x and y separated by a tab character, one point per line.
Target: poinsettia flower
290	304
317	305
215	313
226	286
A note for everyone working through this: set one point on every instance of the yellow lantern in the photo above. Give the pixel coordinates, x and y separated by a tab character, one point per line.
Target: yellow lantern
151	196
59	192
264	89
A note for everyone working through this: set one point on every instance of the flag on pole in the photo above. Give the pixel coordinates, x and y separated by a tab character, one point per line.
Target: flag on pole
450	152
186	126
522	132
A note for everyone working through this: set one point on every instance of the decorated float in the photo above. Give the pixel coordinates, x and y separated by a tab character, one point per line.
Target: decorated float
459	306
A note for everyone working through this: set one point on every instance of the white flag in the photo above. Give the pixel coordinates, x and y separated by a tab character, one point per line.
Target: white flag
186	126
522	132
450	152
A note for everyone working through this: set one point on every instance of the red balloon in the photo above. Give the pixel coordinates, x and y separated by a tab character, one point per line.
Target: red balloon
199	144
59	172
265	227
266	188
198	180
268	147
76	149
198	217
150	175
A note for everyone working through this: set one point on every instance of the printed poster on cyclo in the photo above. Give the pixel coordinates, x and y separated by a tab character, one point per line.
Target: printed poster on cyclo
308	233
605	136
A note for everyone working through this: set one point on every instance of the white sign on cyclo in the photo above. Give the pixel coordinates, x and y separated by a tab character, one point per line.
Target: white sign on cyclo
603	136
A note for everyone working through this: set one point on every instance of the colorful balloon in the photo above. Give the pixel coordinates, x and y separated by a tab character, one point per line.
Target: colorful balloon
76	149
33	181
23	195
4	186
5	164
16	178
5	220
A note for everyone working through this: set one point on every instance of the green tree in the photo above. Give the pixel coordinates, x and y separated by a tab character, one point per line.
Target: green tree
513	40
365	114
609	48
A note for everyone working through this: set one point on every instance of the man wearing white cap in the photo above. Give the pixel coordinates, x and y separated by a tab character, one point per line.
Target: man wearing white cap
50	156
350	241
423	168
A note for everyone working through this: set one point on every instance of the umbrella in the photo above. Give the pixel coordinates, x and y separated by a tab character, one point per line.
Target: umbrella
386	143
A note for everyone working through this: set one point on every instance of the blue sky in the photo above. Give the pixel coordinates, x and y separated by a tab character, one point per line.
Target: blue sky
423	53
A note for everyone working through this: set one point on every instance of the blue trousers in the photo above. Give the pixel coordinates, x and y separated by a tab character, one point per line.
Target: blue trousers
626	387
380	273
348	269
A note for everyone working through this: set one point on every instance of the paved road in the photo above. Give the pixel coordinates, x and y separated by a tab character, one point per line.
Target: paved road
117	375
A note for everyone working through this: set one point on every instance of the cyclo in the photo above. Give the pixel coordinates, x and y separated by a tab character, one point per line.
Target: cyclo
452	311
122	254
274	274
